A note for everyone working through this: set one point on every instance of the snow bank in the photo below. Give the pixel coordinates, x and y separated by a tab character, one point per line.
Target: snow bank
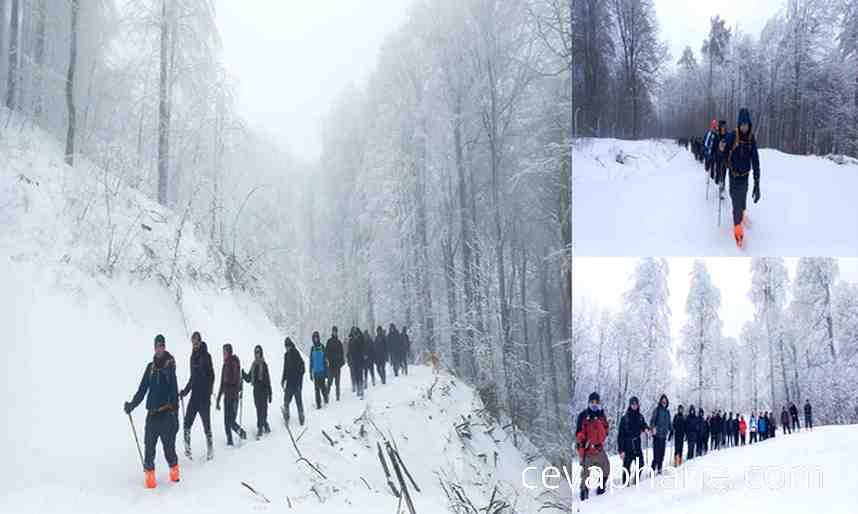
655	204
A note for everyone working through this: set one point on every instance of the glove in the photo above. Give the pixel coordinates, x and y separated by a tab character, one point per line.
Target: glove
756	194
127	407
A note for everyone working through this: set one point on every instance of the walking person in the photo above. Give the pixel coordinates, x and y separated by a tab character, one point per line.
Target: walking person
334	355
355	358
704	433
692	431
742	158
678	436
380	352
762	428
260	378
201	386
368	359
292	380
785	421
394	349
230	391
632	425
406	349
743	428
591	430
160	388
808	415
319	370
793	412
662	431
752	427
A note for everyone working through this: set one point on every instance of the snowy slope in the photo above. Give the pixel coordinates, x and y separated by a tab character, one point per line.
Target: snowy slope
656	204
793	474
77	339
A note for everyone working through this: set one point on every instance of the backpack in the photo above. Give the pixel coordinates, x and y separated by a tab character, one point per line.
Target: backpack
317	360
595	431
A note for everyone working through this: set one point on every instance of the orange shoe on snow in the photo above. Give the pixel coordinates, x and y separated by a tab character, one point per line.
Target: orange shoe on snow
174	473
739	234
150	479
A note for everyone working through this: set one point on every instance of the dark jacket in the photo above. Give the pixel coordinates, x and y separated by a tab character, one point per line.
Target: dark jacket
159	379
807	410
793	411
201	382
368	349
693	427
334	352
230	378
394	344
355	353
293	369
742	151
660	420
259	378
380	349
629	433
679	425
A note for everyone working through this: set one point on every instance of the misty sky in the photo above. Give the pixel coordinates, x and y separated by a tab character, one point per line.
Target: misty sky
687	23
604	280
292	58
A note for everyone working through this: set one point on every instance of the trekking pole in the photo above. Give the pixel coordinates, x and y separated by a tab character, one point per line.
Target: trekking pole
134	430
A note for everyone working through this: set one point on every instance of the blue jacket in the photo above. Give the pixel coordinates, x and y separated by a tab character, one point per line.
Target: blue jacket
159	379
742	151
660	420
761	425
318	363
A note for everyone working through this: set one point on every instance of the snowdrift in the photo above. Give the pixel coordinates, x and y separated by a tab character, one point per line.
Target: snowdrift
79	311
654	203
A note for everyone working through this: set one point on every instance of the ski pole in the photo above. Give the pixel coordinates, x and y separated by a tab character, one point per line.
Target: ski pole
134	430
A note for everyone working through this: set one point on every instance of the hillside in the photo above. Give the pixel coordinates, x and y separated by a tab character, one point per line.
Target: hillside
656	204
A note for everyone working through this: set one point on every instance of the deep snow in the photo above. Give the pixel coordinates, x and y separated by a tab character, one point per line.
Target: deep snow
655	204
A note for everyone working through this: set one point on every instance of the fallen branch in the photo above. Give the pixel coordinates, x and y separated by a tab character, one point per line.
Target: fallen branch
386	471
366	483
328	438
410	478
301	457
257	493
403	486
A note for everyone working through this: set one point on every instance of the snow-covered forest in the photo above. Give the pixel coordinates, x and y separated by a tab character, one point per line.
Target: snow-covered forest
800	341
798	76
440	202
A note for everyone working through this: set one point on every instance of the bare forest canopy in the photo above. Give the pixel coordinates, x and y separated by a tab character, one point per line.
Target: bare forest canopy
802	343
441	200
798	77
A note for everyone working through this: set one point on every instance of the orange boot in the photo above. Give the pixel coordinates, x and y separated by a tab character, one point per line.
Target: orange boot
739	234
150	479
174	473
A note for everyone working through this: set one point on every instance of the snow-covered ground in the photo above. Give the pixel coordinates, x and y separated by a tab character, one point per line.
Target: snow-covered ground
77	338
655	204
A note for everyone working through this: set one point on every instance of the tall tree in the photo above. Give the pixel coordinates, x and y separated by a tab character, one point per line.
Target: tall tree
714	48
702	330
164	104
70	83
769	285
14	58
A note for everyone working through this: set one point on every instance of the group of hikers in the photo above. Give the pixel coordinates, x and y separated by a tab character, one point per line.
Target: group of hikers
366	356
720	150
699	431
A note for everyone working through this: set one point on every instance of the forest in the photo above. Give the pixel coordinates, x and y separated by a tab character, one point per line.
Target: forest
800	344
441	200
798	76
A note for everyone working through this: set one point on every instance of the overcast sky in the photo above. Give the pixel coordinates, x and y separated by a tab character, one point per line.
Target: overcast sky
292	58
603	280
687	23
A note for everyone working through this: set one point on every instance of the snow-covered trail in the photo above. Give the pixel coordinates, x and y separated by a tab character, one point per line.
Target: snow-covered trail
798	473
656	204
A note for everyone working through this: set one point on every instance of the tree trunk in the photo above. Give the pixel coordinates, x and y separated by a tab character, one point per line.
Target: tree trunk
546	341
467	241
523	300
163	110
14	46
3	77
70	135
41	15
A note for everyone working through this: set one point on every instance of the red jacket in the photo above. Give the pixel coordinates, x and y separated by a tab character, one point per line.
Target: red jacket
591	431
742	426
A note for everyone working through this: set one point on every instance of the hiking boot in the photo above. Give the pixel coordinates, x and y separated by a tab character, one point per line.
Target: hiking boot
739	234
301	418
174	473
585	493
242	434
149	479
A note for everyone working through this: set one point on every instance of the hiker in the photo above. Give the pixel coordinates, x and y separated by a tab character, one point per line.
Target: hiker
793	412
230	390
355	358
591	430
678	435
334	356
292	380
262	393
752	427
662	431
319	370
200	385
742	158
743	428
632	425
692	430
808	415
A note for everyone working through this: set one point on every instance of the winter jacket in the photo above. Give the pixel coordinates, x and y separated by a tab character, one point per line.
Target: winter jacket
159	379
591	430
743	427
380	349
753	424
318	362
784	418
762	425
355	352
629	433
334	352
201	382
679	425
406	345
742	150
230	378
293	369
693	427
793	411
394	345
259	378
660	420
807	410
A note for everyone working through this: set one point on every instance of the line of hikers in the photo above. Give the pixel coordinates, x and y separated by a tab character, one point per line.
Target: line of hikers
701	432
720	150
364	355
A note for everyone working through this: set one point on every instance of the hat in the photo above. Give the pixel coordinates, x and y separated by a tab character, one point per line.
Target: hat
633	401
159	340
594	397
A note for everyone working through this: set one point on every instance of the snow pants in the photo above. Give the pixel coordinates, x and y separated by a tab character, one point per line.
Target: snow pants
260	401
321	386
658	446
357	375
808	422
628	459
692	445
204	409
678	441
164	426
753	437
334	379
290	393
230	412
368	372
598	459
795	424
382	373
739	196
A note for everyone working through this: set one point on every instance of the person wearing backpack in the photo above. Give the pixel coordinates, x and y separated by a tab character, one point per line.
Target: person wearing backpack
663	431
591	430
678	436
292	379
742	158
335	357
262	393
762	427
319	370
632	425
752	428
